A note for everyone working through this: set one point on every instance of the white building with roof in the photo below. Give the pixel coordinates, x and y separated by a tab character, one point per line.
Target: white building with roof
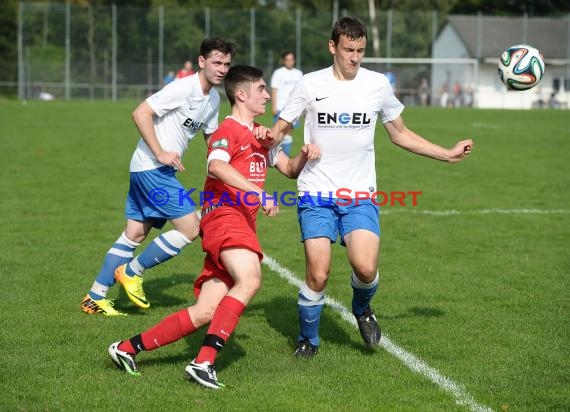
484	38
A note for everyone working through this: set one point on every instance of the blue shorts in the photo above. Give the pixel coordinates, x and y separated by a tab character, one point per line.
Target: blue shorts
154	195
331	217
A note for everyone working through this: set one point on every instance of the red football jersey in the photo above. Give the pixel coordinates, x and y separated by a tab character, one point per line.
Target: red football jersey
235	143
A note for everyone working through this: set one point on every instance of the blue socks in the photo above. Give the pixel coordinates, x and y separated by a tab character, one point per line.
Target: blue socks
362	294
311	305
120	253
162	248
310	308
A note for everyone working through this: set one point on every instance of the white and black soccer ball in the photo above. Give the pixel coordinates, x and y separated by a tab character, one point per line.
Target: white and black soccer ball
521	67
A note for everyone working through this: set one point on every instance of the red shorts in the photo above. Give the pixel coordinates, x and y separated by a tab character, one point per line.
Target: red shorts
220	229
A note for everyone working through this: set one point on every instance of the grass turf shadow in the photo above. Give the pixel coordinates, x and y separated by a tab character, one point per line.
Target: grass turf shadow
282	315
156	290
415	312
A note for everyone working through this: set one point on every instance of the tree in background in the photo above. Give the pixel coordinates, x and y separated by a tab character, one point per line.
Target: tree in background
184	20
8	41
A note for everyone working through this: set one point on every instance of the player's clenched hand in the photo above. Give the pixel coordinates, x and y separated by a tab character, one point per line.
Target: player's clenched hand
265	136
460	150
269	205
270	210
261	132
311	151
170	159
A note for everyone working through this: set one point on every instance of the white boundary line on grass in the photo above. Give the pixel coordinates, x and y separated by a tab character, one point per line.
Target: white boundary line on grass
452	212
461	396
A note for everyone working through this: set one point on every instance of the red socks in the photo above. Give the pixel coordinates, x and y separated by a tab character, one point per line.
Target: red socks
225	320
179	324
170	329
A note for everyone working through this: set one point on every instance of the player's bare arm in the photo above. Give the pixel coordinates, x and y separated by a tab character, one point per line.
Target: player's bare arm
407	139
230	176
143	116
291	167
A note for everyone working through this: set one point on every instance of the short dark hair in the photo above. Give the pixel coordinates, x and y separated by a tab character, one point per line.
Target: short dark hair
287	53
218	44
348	26
237	77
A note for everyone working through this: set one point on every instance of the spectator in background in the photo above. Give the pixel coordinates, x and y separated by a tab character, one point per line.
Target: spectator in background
541	100
283	81
468	95
423	92
444	95
392	79
168	78
552	102
457	94
186	70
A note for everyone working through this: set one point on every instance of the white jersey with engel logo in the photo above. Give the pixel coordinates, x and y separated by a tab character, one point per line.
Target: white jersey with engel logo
182	109
340	118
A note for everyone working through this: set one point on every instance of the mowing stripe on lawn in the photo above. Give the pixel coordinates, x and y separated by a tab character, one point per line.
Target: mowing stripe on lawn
461	396
477	212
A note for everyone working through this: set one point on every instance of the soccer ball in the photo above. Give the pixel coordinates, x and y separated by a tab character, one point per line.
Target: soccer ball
521	67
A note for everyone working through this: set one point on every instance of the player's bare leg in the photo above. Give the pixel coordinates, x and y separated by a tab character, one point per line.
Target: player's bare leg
120	253
312	295
136	230
188	225
362	249
163	248
244	267
318	262
211	294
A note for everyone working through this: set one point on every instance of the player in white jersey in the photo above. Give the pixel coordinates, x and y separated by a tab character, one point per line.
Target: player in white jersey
167	121
342	104
283	82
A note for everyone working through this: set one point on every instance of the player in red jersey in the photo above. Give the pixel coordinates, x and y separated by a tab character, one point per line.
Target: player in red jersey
237	167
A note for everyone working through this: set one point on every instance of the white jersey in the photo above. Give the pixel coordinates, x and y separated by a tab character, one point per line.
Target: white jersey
284	80
340	118
181	110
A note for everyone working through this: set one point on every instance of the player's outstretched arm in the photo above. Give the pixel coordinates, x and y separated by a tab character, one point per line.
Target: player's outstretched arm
143	116
229	175
291	167
407	139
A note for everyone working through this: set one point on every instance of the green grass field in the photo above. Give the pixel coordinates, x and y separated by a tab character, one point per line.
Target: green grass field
480	295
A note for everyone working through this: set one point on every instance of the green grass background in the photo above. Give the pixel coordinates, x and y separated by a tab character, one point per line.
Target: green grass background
481	297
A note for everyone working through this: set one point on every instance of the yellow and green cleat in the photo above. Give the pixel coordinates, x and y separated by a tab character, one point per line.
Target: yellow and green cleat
103	306
133	287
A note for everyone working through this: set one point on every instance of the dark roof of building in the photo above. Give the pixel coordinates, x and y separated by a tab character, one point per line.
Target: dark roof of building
549	35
